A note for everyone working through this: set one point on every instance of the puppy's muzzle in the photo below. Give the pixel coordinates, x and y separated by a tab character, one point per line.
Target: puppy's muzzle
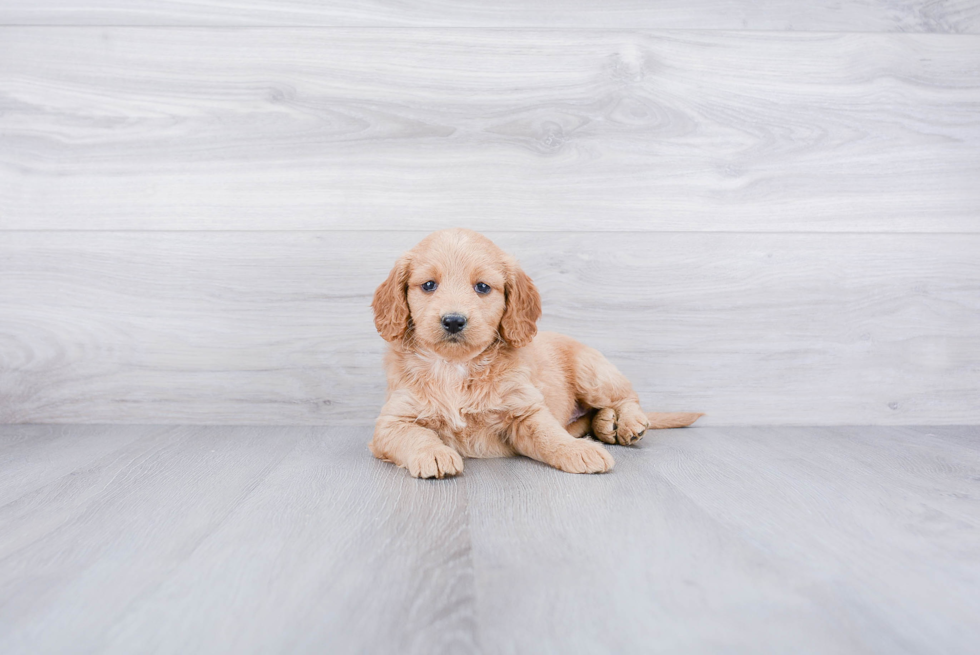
453	323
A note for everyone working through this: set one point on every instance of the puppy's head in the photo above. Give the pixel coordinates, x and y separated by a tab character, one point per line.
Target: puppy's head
455	292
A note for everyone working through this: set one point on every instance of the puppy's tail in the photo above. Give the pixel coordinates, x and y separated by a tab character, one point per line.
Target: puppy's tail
662	420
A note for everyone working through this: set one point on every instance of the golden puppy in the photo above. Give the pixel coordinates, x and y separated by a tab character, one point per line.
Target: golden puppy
467	377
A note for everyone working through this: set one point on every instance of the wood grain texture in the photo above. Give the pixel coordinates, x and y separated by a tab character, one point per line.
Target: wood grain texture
736	540
290	539
782	15
266	129
291	527
32	457
275	328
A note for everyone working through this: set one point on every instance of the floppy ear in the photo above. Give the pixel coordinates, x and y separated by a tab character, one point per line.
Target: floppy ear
390	302
523	309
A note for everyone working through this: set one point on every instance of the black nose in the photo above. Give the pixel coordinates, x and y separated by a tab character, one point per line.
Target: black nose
453	323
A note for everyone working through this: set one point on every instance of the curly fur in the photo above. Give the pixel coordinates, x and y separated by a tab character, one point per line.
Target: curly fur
497	388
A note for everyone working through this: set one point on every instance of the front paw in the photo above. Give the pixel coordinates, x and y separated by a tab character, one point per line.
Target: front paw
583	457
438	462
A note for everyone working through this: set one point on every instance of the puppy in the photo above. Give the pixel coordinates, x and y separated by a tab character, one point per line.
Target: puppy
468	375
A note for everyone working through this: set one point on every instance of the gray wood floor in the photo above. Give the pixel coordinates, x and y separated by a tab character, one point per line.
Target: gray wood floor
265	539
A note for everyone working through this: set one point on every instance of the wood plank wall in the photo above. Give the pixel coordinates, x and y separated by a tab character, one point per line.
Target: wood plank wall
767	213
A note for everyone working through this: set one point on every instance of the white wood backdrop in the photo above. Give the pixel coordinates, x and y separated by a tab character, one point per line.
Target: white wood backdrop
255	129
770	216
950	16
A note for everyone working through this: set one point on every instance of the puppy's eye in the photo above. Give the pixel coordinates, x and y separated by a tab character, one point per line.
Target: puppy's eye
482	288
429	286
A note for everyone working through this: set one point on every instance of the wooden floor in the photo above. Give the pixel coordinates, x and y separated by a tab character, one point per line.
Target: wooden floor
263	539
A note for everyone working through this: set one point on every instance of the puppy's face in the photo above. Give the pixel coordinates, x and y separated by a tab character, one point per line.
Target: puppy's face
456	296
456	292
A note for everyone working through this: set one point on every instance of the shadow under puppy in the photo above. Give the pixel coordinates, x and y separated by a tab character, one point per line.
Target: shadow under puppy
468	375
